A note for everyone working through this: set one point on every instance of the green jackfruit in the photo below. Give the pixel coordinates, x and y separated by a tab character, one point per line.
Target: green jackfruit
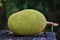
27	22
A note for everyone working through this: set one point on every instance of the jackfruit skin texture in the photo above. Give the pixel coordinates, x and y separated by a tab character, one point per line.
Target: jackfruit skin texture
27	22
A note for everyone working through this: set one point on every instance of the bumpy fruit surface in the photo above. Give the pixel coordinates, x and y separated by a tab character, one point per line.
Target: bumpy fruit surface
27	22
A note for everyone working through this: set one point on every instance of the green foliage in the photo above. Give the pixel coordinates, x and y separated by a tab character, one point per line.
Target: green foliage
0	4
11	8
15	6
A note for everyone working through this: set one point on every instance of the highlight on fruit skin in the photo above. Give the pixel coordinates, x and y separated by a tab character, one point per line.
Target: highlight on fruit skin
27	22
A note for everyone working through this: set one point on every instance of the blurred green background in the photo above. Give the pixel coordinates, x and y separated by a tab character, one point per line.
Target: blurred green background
50	8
